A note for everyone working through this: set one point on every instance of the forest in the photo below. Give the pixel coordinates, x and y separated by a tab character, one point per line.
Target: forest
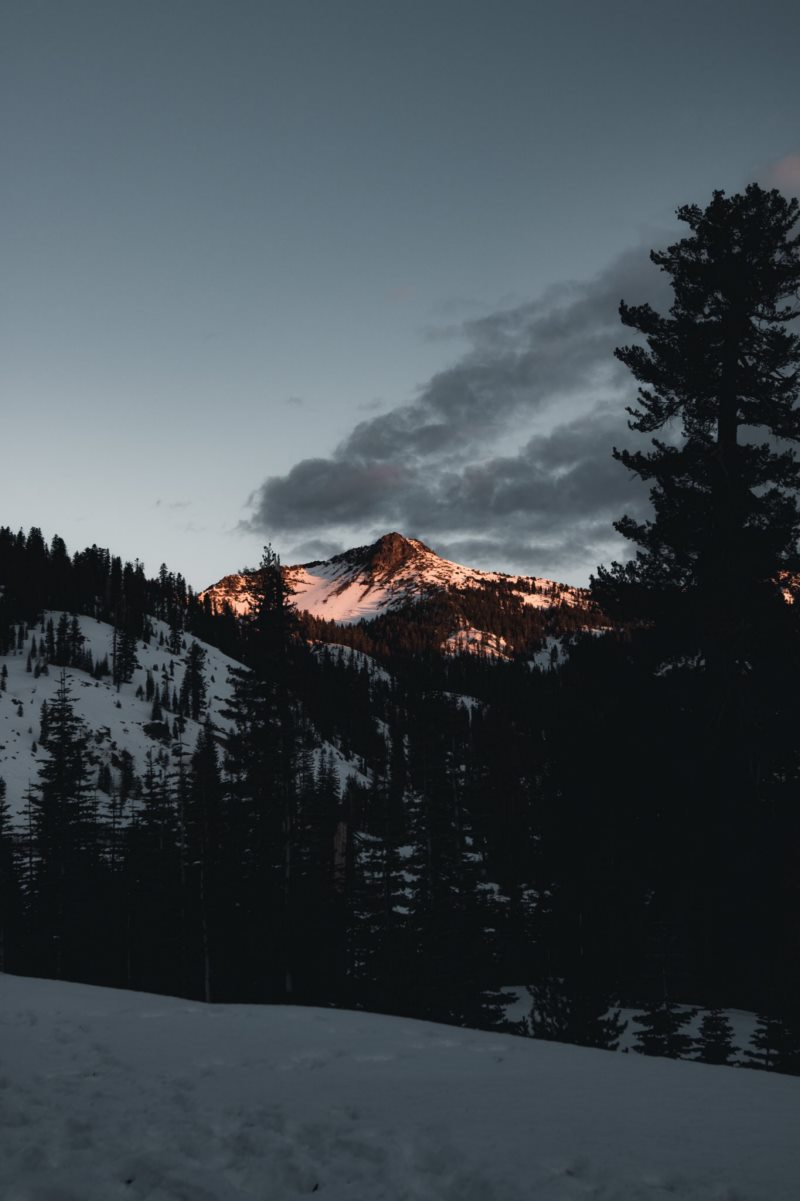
623	831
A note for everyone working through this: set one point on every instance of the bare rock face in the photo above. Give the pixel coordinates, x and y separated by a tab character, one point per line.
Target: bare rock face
392	552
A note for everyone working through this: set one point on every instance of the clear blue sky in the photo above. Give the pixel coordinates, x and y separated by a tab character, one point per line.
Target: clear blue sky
232	231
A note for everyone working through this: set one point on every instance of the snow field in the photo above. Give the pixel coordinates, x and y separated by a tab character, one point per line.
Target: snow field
106	1095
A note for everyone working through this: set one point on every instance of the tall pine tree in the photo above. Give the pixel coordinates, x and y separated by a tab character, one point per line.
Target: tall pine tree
723	366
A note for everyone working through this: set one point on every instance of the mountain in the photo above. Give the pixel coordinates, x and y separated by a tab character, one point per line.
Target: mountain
398	575
359	822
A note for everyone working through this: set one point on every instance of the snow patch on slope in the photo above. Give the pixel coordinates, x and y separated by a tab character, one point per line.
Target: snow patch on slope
469	640
116	718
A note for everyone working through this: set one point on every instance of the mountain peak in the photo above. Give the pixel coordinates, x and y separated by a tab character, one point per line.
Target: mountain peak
394	550
385	575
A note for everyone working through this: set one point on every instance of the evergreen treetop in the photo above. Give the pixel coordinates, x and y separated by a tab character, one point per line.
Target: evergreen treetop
725	368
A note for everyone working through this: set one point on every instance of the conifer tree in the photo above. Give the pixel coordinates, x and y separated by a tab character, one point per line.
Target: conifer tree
724	365
570	1011
193	685
315	897
10	898
205	839
775	1045
64	836
259	759
153	926
662	1030
715	1041
719	385
128	780
380	880
62	655
124	656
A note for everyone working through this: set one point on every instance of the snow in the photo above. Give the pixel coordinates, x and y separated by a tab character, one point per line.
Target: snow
324	593
351	657
469	640
107	1094
471	703
551	654
116	718
743	1023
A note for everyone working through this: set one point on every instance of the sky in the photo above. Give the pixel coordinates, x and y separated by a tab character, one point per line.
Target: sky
305	271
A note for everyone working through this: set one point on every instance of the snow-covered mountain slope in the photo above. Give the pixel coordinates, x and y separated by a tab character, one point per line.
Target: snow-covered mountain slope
118	719
394	571
109	1095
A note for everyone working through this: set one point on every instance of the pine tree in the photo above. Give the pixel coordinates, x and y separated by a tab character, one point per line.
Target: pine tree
62	655
175	640
379	883
571	1012
315	895
152	881
128	780
775	1044
64	838
261	800
75	643
719	388
715	1042
725	366
193	685
662	1025
764	1042
205	850
10	898
450	913
124	656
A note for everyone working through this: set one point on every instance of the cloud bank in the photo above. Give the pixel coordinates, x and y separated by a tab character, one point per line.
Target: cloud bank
503	459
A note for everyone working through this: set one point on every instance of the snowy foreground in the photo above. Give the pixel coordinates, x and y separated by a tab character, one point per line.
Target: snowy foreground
107	1095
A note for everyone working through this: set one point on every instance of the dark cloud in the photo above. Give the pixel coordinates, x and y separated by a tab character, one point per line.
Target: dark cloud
570	559
312	550
541	374
329	492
